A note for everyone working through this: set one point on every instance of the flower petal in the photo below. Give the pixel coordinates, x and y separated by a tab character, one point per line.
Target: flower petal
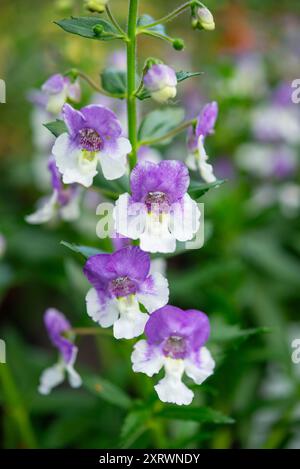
105	313
51	377
45	213
185	219
146	359
201	368
154	292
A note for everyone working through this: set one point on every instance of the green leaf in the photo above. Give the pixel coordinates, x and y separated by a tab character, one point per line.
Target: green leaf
144	20
157	123
222	332
84	26
85	251
114	81
197	189
181	76
195	414
107	391
57	127
135	424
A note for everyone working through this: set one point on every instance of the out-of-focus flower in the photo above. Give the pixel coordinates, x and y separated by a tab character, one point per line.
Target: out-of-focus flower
120	282
57	325
159	210
267	160
286	196
96	6
148	154
64	202
203	19
161	81
118	60
94	136
175	341
59	89
275	123
198	158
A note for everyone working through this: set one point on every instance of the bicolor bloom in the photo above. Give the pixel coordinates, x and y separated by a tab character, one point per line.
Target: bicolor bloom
96	6
57	325
120	282
198	158
59	89
203	19
161	81
159	211
64	201
94	136
175	340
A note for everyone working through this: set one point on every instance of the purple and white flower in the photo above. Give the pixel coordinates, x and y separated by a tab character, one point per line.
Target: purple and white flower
198	158
159	211
175	340
59	89
64	201
94	136
57	325
161	81
120	282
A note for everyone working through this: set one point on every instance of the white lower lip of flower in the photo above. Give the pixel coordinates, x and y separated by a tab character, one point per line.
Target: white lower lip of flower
87	161
163	95
205	169
156	236
131	322
171	388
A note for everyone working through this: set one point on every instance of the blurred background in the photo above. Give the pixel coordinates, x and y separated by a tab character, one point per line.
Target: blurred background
246	278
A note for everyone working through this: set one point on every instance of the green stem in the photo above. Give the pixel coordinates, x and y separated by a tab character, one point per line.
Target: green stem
170	134
15	408
156	34
131	77
114	21
169	16
90	331
96	87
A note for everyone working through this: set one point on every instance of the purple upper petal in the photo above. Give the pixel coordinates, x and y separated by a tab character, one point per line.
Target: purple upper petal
169	177
56	324
159	76
103	120
170	321
55	176
130	262
74	120
207	119
55	84
119	241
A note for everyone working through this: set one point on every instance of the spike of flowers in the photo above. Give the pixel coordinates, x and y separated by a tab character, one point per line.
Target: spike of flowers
94	136
120	282
175	341
57	325
159	210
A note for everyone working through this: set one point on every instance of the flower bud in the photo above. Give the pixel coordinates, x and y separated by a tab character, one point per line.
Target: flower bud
203	19
98	29
161	81
96	6
178	44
